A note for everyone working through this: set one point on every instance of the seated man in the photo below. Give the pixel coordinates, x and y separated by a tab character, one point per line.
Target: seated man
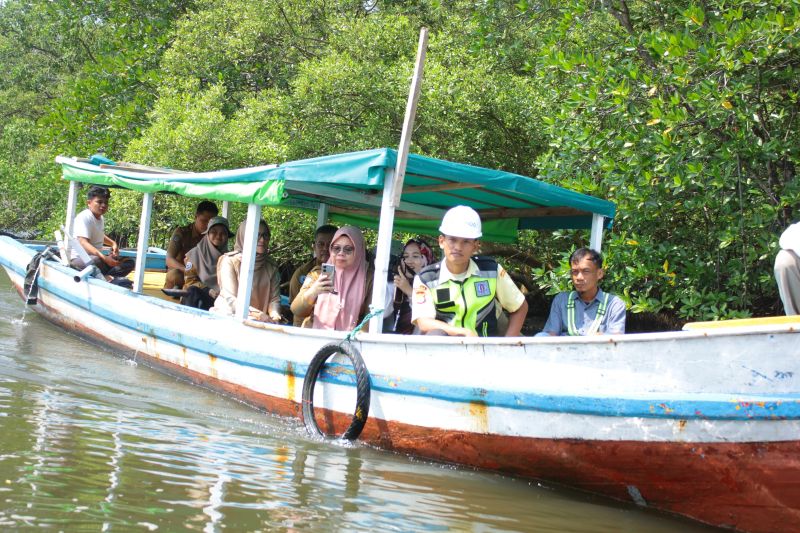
89	230
587	310
458	295
787	269
321	253
183	239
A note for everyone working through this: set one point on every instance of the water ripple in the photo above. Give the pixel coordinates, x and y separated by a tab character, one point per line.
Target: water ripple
89	442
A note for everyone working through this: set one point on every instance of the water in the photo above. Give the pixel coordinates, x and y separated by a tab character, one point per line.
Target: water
89	442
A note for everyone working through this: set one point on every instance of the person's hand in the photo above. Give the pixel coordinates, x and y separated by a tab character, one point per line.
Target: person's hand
213	293
320	285
110	261
270	318
115	250
401	282
462	332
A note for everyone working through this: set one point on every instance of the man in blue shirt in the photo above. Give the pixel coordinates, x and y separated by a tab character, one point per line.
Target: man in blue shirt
587	310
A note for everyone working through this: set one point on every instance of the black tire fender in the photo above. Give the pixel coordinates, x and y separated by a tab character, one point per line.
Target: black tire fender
363	389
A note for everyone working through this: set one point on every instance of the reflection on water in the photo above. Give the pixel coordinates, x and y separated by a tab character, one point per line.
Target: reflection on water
88	442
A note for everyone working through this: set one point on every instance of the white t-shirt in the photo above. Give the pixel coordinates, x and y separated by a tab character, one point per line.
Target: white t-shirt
88	226
790	238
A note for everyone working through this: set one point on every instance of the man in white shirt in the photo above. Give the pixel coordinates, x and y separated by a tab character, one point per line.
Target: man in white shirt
787	269
89	230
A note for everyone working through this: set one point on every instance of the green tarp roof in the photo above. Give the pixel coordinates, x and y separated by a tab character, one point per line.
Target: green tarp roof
351	184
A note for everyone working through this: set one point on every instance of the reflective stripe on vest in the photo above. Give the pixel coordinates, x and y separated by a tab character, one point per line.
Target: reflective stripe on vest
598	318
469	303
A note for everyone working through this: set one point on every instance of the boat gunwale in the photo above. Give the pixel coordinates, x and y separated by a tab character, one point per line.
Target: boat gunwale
413	340
661	404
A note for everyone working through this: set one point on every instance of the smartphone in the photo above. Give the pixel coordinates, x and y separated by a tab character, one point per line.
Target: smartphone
330	270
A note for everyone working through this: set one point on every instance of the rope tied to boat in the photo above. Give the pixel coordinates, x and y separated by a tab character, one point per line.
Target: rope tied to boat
372	313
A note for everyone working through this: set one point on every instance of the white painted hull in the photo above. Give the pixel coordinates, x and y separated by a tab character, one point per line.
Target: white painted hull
483	400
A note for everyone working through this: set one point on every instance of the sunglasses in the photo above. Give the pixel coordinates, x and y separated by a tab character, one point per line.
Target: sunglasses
346	250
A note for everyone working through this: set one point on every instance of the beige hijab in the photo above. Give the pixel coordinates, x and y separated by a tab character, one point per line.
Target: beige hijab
263	270
204	258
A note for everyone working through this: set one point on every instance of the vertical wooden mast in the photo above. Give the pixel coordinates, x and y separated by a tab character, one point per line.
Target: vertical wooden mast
393	188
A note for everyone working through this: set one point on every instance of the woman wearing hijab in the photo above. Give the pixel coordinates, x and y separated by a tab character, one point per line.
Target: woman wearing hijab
339	303
265	297
201	264
416	256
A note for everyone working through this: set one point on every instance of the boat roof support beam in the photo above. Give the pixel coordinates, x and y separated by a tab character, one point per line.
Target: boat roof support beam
385	226
596	235
335	193
226	209
72	201
143	242
248	261
322	214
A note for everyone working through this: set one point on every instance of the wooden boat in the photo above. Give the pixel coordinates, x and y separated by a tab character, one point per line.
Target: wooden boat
704	422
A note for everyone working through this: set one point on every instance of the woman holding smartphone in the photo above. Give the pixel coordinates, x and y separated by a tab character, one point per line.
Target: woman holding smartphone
339	297
416	256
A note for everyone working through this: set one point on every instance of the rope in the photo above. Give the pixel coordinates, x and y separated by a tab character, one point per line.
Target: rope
372	313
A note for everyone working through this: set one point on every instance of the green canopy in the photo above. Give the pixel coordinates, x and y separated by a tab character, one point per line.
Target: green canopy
351	184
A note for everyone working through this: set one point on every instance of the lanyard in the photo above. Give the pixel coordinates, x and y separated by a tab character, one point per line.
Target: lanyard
601	312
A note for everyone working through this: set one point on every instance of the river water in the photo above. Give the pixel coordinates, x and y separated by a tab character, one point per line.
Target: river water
92	442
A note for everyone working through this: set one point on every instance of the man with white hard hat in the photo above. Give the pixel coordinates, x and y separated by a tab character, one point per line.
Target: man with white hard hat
458	295
787	269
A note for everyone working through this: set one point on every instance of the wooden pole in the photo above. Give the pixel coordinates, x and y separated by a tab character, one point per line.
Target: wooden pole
408	121
393	189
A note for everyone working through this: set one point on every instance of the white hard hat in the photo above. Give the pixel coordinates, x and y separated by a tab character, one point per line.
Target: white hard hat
461	221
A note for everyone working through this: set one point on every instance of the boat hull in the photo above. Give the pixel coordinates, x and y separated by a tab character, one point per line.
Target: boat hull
700	424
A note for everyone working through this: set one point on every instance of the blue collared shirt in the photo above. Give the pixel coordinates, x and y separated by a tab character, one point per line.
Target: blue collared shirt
613	321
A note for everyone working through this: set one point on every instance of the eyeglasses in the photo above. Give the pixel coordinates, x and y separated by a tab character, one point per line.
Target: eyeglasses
346	250
264	236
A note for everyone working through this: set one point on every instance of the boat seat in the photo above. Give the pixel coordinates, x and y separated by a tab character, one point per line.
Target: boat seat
742	322
153	281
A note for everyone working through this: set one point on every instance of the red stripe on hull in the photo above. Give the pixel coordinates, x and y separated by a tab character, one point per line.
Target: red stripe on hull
746	486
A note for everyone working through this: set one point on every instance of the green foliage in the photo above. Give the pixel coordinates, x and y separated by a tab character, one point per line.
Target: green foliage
75	78
683	113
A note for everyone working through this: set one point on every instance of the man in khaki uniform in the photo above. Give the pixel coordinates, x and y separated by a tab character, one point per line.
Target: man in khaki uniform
183	239
321	253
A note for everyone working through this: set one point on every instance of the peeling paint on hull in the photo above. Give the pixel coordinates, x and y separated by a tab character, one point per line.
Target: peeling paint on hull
720	445
717	477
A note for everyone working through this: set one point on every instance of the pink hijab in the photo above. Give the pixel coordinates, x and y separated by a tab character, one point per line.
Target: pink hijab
341	311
